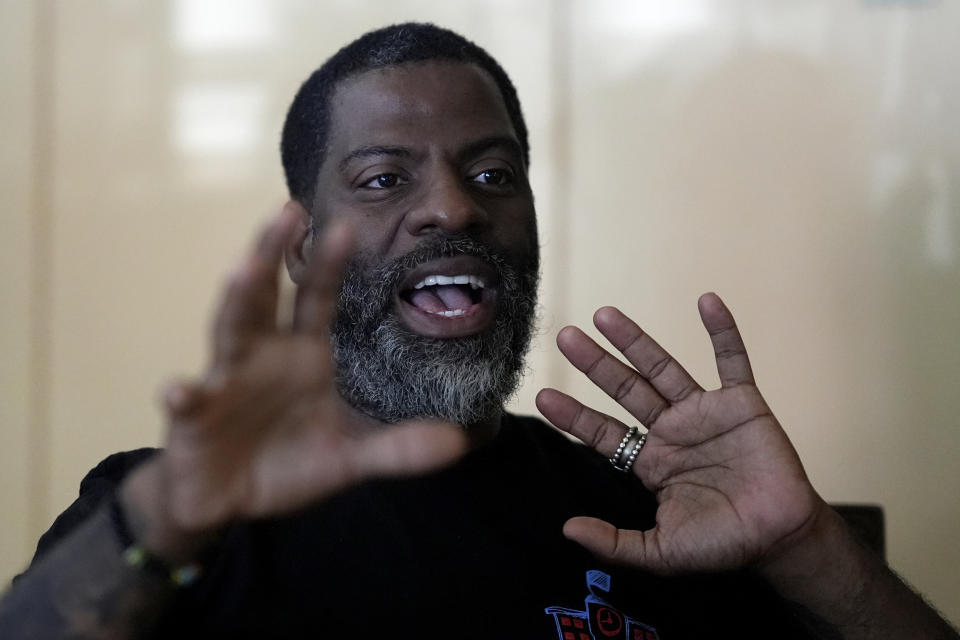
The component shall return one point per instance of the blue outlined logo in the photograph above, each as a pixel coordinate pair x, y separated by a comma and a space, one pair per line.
598, 620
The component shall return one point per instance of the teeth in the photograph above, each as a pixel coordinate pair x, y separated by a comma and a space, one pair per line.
449, 314
475, 282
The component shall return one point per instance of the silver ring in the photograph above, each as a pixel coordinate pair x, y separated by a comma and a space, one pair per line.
629, 449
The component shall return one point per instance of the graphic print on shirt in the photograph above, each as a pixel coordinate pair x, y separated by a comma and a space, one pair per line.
598, 620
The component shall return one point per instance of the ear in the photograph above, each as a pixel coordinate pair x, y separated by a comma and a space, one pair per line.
296, 253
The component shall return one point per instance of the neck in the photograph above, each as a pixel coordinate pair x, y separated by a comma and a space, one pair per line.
360, 424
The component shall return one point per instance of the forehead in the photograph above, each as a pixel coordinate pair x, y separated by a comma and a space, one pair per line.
452, 102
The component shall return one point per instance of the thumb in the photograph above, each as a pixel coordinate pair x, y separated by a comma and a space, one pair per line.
408, 449
626, 547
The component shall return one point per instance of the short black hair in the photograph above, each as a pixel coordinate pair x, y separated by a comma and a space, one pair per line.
306, 129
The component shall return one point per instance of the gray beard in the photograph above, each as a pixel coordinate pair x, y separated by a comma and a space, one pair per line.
392, 374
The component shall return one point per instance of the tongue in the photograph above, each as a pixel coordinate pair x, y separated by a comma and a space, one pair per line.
441, 298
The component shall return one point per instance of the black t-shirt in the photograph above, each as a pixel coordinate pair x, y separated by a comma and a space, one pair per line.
473, 551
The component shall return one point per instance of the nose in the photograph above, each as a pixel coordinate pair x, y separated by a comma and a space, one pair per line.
448, 206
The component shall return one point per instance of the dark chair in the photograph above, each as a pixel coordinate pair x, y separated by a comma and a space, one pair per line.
866, 521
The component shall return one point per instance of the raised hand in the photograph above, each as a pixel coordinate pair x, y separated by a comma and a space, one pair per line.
263, 433
730, 487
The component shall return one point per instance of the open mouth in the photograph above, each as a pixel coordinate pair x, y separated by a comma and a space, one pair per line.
449, 298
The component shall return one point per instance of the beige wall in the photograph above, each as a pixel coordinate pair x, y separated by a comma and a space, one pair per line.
18, 268
795, 156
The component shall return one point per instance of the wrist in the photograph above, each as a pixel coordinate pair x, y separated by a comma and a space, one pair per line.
826, 570
137, 557
144, 499
809, 551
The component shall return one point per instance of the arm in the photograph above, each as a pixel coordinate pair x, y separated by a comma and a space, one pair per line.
844, 590
81, 588
260, 435
731, 490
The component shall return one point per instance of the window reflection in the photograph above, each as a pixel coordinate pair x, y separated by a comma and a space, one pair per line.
203, 25
211, 119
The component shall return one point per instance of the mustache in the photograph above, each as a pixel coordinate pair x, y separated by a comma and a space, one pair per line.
436, 248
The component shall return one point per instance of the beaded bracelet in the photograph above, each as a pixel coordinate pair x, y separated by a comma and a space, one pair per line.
138, 558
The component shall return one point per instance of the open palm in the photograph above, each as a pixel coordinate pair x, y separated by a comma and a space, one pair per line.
730, 487
264, 432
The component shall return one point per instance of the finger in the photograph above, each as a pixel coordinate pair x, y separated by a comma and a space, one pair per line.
653, 362
407, 449
733, 364
316, 298
598, 430
249, 303
616, 379
619, 546
180, 397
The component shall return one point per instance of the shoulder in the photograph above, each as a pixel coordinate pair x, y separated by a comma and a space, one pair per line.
111, 471
99, 483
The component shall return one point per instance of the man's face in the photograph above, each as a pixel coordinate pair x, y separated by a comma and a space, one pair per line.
437, 310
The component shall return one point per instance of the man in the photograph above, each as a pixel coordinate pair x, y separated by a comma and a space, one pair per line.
305, 475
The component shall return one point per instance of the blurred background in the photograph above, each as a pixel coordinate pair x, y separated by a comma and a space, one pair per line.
796, 156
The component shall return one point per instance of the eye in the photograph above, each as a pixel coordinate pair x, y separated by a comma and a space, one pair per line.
384, 181
496, 177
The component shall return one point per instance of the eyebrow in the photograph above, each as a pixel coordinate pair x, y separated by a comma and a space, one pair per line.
472, 149
491, 142
376, 150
